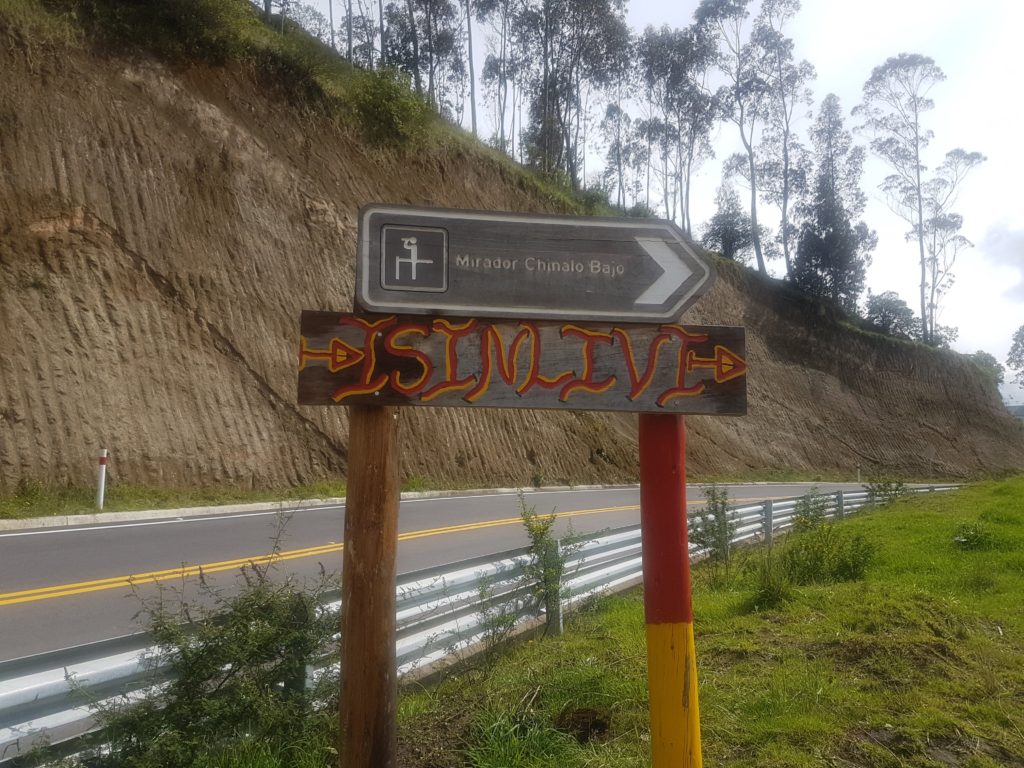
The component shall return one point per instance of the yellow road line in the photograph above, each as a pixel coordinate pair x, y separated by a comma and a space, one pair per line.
135, 579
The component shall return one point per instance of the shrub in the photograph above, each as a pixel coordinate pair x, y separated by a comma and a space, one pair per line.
810, 510
885, 490
389, 113
714, 529
546, 566
237, 675
826, 554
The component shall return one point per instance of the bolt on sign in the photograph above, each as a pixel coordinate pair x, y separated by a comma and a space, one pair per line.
347, 359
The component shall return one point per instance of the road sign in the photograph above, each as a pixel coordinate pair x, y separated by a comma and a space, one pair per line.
347, 359
486, 264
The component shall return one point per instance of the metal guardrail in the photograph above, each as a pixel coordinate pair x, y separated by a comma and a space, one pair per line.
442, 611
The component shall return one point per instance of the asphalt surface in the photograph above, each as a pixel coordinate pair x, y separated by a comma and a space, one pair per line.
61, 587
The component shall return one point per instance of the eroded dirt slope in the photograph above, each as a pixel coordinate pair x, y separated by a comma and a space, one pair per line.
161, 230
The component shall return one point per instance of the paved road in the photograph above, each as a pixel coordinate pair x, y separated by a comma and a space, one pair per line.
65, 586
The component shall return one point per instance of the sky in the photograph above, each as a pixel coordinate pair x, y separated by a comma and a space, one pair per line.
978, 45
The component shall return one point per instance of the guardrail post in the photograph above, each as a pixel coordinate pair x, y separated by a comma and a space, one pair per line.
768, 520
840, 505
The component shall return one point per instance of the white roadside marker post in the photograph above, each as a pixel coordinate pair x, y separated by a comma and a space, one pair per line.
101, 479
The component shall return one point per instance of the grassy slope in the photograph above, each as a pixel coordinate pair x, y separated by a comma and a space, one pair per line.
922, 664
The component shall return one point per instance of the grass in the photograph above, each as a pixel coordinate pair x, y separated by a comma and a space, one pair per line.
37, 500
919, 664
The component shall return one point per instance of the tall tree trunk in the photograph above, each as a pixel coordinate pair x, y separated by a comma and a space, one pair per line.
647, 201
415, 46
348, 31
503, 88
785, 209
330, 11
472, 68
430, 52
755, 230
383, 35
268, 10
926, 336
546, 116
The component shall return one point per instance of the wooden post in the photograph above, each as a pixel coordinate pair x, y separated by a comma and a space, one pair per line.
369, 688
668, 611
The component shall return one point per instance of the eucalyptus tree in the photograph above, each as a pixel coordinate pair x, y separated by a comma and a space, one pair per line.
782, 170
941, 227
1015, 358
674, 69
616, 128
579, 42
425, 39
746, 95
508, 56
895, 99
310, 19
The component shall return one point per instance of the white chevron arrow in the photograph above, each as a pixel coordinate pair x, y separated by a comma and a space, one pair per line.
676, 272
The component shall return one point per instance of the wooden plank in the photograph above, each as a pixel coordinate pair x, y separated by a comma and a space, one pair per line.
369, 677
348, 359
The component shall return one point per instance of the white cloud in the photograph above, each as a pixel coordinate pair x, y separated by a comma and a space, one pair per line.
1004, 246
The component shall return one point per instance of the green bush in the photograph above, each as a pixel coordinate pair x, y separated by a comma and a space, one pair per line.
237, 678
885, 490
713, 531
826, 554
810, 510
182, 29
389, 113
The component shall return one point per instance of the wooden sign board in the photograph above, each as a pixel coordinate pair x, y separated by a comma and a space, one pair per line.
348, 359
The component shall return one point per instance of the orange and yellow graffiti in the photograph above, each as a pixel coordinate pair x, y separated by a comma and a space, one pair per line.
436, 359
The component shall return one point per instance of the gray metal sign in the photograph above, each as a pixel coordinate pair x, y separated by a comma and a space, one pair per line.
486, 264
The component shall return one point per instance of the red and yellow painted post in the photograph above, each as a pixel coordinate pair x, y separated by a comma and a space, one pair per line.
671, 653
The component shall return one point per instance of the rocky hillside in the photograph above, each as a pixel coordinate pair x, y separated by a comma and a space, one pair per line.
162, 227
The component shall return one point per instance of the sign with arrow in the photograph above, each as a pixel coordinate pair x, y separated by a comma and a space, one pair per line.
486, 264
348, 359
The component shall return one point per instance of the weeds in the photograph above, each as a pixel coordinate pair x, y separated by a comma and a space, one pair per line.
810, 511
237, 669
497, 618
546, 567
973, 535
771, 583
885, 490
826, 554
713, 531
